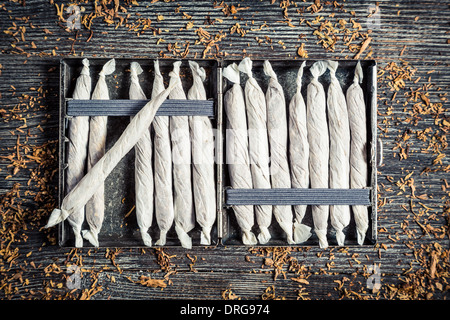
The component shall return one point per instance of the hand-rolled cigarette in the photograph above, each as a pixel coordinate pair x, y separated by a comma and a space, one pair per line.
94, 178
78, 134
318, 139
358, 149
181, 157
202, 138
338, 125
95, 208
143, 165
163, 165
299, 155
278, 139
237, 156
255, 103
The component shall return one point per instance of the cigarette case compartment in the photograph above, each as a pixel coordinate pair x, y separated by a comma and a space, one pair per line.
286, 71
120, 228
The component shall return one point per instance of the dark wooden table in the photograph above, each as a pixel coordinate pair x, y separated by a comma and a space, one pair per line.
410, 41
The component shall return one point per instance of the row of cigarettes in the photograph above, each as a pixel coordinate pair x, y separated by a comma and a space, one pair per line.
318, 144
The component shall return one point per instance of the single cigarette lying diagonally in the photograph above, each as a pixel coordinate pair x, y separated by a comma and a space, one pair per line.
89, 184
77, 149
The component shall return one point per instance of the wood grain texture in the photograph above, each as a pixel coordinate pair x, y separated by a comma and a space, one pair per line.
30, 63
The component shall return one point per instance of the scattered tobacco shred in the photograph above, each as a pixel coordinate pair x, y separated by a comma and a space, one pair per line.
149, 282
229, 295
269, 294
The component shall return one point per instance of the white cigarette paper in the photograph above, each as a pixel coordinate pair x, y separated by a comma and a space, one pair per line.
237, 157
339, 128
181, 156
255, 103
202, 137
299, 155
94, 178
278, 139
318, 139
95, 208
358, 149
143, 165
164, 211
78, 135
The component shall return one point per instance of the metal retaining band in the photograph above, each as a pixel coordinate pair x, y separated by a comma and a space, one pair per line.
131, 107
235, 197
